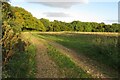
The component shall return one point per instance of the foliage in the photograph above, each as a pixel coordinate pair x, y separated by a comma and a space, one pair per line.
46, 23
21, 64
26, 21
7, 13
17, 62
79, 26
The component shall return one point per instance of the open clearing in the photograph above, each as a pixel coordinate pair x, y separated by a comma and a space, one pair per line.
47, 68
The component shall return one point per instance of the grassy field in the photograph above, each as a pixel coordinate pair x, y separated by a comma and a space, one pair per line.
66, 55
65, 66
102, 48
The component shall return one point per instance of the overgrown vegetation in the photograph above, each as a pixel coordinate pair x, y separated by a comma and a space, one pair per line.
67, 68
21, 64
17, 55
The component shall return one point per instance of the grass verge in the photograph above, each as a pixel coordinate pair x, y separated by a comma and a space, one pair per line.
22, 64
67, 68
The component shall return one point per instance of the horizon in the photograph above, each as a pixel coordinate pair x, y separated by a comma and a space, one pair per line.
85, 11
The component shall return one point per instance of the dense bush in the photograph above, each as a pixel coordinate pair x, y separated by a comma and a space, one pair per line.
17, 57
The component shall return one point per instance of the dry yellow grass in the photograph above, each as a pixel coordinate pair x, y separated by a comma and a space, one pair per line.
94, 33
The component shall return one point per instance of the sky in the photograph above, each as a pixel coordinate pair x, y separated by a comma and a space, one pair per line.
69, 10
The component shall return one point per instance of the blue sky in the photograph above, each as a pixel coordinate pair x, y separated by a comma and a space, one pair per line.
86, 11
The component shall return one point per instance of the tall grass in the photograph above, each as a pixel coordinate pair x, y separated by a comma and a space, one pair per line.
21, 64
108, 48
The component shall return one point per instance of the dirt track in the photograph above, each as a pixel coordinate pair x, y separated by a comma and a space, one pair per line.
46, 68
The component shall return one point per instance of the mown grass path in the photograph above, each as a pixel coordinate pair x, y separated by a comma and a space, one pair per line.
46, 68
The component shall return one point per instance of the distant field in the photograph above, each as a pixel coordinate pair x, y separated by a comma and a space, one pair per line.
101, 47
95, 33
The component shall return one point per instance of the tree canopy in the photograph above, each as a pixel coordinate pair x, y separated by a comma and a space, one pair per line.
23, 20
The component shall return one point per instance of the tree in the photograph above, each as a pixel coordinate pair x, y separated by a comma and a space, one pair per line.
56, 26
25, 20
46, 23
115, 27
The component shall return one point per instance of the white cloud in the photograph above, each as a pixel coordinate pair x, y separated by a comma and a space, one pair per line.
104, 0
60, 4
111, 21
85, 16
56, 14
81, 1
69, 17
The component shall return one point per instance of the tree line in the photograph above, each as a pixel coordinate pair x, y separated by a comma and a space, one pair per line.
79, 26
24, 21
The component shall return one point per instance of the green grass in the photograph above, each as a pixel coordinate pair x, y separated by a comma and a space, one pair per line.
22, 64
101, 48
67, 68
